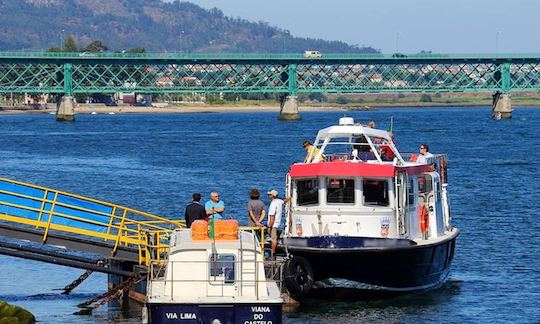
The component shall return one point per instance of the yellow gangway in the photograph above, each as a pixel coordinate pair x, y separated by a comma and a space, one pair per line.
51, 210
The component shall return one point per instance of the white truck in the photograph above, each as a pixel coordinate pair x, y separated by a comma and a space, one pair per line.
312, 54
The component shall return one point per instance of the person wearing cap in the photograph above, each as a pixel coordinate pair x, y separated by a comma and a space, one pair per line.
194, 210
255, 207
214, 207
275, 212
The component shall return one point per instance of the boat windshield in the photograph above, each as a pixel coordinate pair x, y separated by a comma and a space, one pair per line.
355, 147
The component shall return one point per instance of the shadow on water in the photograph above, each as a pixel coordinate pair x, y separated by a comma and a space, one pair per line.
338, 302
47, 296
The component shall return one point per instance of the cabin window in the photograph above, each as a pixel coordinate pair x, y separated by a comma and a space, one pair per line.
410, 200
222, 268
307, 192
375, 192
340, 191
424, 185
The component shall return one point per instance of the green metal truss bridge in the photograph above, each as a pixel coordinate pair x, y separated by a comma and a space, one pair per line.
85, 73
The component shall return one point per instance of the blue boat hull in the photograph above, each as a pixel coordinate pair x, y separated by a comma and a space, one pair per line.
375, 264
210, 313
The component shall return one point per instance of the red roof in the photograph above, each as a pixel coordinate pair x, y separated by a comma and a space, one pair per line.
347, 169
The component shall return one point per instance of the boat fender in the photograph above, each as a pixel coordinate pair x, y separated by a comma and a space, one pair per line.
423, 217
298, 276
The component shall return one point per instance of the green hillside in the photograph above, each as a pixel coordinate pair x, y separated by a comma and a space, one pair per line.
152, 24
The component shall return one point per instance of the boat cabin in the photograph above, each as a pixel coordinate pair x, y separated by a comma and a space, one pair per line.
201, 270
356, 183
212, 280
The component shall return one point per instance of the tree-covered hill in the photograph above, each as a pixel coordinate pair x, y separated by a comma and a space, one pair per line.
151, 24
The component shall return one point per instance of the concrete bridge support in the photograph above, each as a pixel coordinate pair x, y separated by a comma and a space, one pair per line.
66, 109
502, 106
289, 109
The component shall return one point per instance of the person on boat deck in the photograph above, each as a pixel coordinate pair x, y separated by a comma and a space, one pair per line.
194, 210
255, 207
424, 154
214, 207
310, 148
371, 124
386, 152
275, 212
363, 149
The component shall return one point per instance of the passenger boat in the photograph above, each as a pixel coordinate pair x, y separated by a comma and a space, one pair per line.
364, 216
219, 280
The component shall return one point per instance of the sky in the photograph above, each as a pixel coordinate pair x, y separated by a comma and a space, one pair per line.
408, 26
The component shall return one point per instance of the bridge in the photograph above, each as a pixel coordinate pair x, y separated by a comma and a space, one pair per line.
68, 74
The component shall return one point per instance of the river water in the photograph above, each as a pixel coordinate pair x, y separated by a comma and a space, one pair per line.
155, 162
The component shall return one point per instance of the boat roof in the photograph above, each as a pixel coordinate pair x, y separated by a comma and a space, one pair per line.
373, 159
352, 130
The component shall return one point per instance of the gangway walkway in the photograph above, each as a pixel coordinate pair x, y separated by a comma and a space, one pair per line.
57, 218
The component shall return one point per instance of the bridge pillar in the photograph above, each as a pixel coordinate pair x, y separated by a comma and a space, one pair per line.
502, 106
289, 109
66, 109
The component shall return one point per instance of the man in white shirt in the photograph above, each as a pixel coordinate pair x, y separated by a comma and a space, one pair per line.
275, 213
424, 154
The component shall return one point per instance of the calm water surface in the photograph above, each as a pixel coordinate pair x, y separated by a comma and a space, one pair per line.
155, 162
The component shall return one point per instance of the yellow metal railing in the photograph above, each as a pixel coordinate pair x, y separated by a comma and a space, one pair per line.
55, 210
59, 211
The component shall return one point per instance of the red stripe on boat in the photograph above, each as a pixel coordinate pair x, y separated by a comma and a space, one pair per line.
348, 169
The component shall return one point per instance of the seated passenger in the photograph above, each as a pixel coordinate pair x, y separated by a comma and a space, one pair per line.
424, 154
363, 148
386, 153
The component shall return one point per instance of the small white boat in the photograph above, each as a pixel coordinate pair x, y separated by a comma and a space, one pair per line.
212, 281
93, 113
112, 113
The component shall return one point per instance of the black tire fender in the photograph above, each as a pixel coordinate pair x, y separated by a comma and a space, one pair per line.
298, 276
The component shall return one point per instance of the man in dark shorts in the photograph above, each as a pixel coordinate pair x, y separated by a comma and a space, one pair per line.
195, 210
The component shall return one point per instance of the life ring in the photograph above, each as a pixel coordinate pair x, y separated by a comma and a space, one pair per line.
298, 276
423, 217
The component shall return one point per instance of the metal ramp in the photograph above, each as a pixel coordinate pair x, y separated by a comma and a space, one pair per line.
56, 218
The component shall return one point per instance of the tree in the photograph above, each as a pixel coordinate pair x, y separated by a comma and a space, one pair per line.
70, 45
95, 47
317, 96
425, 98
137, 50
342, 100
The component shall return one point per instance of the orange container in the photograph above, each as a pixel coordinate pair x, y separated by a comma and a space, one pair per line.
199, 230
226, 229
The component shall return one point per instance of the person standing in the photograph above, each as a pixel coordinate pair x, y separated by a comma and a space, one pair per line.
214, 207
275, 212
424, 154
255, 207
194, 210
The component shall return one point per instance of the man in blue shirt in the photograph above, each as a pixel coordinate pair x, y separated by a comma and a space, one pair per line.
214, 207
